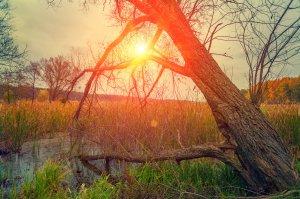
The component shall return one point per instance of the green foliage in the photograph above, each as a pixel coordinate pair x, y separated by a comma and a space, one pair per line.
189, 179
99, 189
47, 182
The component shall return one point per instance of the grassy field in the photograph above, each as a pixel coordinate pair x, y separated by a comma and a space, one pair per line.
124, 126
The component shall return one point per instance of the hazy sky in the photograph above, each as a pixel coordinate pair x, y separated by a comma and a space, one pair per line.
49, 31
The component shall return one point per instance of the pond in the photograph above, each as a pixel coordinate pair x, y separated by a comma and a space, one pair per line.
17, 167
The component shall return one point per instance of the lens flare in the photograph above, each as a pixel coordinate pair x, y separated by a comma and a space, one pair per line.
141, 49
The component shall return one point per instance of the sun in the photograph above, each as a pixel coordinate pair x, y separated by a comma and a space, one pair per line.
141, 49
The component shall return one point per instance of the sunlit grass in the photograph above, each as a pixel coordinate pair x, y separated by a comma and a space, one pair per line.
286, 119
159, 126
22, 121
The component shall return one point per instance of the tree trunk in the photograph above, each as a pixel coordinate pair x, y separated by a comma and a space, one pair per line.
33, 89
259, 148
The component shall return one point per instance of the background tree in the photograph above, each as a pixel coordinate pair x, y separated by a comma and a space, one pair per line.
284, 90
268, 32
32, 72
262, 158
58, 74
295, 87
11, 57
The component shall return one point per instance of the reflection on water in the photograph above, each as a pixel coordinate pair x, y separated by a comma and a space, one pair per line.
19, 166
34, 154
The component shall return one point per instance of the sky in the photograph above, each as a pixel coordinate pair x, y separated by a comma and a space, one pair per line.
48, 32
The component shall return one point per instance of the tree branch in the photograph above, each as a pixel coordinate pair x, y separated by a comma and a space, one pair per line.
169, 65
129, 28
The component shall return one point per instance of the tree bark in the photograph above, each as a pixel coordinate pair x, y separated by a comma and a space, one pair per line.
259, 148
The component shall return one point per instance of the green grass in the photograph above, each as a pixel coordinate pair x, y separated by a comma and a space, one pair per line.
190, 179
46, 183
163, 180
49, 182
99, 189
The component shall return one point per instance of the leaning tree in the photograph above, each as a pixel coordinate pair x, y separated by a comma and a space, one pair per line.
262, 158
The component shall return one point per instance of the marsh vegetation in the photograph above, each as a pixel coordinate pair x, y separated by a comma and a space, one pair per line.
41, 131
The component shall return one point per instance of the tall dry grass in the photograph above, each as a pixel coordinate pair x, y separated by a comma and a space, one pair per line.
25, 121
123, 125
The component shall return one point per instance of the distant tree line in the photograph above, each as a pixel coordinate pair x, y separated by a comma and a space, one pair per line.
285, 90
18, 77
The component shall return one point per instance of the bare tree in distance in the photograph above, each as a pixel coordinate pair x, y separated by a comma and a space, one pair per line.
268, 32
58, 74
11, 57
32, 73
262, 158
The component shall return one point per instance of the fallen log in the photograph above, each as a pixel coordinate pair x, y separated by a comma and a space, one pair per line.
195, 152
